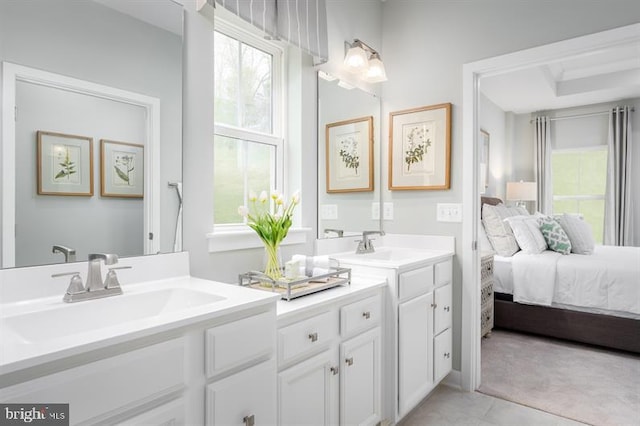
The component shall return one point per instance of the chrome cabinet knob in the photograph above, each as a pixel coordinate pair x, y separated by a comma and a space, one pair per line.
249, 420
349, 361
313, 337
434, 305
334, 370
366, 315
447, 308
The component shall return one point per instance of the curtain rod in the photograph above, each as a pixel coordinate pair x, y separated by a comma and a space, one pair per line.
592, 114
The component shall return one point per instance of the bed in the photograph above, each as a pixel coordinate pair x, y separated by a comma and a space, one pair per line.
593, 299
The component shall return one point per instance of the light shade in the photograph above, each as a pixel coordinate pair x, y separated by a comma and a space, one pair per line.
356, 59
376, 72
522, 191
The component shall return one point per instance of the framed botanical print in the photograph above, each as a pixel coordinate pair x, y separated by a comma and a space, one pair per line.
420, 148
65, 164
349, 155
121, 169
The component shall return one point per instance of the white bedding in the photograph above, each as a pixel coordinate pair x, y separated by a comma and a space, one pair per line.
606, 281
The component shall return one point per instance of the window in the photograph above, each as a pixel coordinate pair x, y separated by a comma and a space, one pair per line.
248, 143
579, 184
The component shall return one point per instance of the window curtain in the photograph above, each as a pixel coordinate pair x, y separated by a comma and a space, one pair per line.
302, 23
542, 137
617, 209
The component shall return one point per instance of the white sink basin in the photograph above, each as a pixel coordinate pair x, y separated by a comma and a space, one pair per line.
67, 319
386, 255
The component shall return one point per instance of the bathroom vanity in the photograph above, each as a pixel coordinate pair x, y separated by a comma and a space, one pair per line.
174, 349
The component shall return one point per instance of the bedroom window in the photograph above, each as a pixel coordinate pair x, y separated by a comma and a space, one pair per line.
579, 183
248, 142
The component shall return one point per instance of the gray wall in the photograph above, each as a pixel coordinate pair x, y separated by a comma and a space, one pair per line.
88, 41
87, 224
424, 47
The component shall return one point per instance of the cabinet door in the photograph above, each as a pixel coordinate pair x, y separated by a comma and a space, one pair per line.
415, 340
308, 392
245, 398
442, 355
442, 309
360, 386
415, 351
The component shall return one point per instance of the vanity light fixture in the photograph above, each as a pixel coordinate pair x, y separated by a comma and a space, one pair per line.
326, 76
360, 58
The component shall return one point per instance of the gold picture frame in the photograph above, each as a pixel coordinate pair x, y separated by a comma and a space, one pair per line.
349, 155
65, 164
420, 148
121, 169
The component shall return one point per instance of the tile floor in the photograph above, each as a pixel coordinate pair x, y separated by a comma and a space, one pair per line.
449, 406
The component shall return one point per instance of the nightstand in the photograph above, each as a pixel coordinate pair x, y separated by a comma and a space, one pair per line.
486, 293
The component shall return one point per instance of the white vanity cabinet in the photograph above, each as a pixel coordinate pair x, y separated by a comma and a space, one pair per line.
329, 358
424, 331
218, 371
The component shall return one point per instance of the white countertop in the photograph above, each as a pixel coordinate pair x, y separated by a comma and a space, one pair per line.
17, 353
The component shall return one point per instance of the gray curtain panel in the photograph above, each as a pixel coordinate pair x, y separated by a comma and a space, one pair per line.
302, 23
542, 137
617, 210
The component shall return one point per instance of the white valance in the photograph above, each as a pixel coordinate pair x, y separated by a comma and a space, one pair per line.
302, 23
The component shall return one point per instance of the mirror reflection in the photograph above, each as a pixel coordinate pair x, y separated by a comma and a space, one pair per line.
348, 165
91, 162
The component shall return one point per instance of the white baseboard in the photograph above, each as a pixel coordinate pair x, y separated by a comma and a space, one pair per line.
453, 379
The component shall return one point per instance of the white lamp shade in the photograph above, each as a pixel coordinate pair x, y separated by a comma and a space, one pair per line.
356, 59
522, 191
376, 72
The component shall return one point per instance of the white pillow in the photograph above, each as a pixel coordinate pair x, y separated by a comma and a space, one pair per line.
499, 233
527, 233
485, 244
579, 233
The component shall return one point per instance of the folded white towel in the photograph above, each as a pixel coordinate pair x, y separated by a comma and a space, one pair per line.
320, 271
321, 262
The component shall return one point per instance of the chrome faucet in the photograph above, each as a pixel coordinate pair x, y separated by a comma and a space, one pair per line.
95, 288
68, 252
338, 232
365, 245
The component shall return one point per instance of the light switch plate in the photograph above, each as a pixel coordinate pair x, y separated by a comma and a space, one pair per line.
375, 211
449, 212
387, 212
329, 211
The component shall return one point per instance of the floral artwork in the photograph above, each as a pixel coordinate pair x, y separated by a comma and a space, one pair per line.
420, 148
124, 166
417, 139
65, 164
121, 169
349, 152
349, 155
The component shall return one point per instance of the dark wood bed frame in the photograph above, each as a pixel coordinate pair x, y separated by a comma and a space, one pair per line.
584, 327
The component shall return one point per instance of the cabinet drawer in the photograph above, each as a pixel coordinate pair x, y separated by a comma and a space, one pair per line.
122, 382
486, 268
306, 336
486, 319
360, 315
238, 342
169, 414
486, 293
444, 271
442, 355
442, 309
416, 282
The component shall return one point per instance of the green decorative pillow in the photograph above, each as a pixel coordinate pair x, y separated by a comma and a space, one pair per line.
554, 235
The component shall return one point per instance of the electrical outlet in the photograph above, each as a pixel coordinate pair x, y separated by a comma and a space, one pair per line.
387, 213
449, 212
375, 211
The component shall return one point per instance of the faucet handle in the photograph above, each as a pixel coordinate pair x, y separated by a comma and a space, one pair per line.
111, 280
75, 285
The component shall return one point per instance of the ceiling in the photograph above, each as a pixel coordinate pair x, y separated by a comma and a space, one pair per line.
599, 76
158, 13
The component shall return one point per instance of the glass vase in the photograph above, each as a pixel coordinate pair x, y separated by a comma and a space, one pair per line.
273, 261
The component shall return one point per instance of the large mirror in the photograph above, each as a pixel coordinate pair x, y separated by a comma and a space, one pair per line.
348, 159
91, 151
